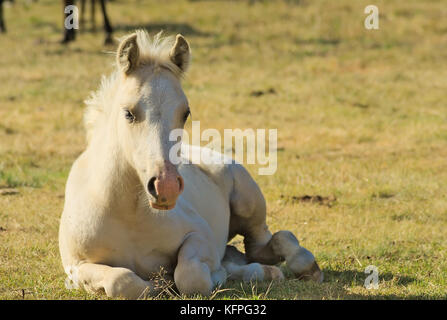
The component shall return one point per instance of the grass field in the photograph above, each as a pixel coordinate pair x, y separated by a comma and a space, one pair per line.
361, 118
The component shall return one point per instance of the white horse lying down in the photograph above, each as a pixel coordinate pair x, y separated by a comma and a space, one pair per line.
129, 211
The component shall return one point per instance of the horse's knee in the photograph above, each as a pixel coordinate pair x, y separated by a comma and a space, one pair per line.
192, 277
284, 243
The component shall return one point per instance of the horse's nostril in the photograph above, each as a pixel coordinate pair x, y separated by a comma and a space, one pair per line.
151, 187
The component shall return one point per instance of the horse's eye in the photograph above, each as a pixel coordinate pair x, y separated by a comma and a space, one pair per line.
129, 116
185, 117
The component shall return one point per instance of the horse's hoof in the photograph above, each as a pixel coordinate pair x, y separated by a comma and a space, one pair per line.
67, 39
304, 265
272, 273
314, 274
109, 41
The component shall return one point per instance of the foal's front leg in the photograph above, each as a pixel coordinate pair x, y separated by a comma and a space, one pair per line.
198, 268
116, 282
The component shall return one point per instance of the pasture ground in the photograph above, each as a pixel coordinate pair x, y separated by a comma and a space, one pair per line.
361, 118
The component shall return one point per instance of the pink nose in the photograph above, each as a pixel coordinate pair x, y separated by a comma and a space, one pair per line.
166, 188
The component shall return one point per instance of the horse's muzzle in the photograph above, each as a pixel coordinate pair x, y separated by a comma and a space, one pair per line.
165, 188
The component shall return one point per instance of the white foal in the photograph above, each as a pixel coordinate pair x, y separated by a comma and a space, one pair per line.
129, 211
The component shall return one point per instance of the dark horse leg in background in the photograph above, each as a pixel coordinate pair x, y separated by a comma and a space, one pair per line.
70, 34
2, 22
107, 26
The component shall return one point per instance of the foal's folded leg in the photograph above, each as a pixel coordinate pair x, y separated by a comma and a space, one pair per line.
238, 268
116, 282
198, 268
248, 218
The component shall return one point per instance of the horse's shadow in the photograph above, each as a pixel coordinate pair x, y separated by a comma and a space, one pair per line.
353, 278
357, 278
344, 279
167, 28
336, 285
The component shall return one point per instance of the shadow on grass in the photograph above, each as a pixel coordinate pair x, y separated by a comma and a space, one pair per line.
152, 27
169, 28
337, 285
338, 281
357, 278
318, 41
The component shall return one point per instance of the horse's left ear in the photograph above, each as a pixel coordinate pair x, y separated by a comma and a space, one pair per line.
180, 53
128, 54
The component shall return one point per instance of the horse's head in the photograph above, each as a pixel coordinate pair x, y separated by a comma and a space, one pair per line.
151, 104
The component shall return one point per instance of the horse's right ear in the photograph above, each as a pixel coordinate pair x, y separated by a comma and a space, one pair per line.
180, 53
128, 54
